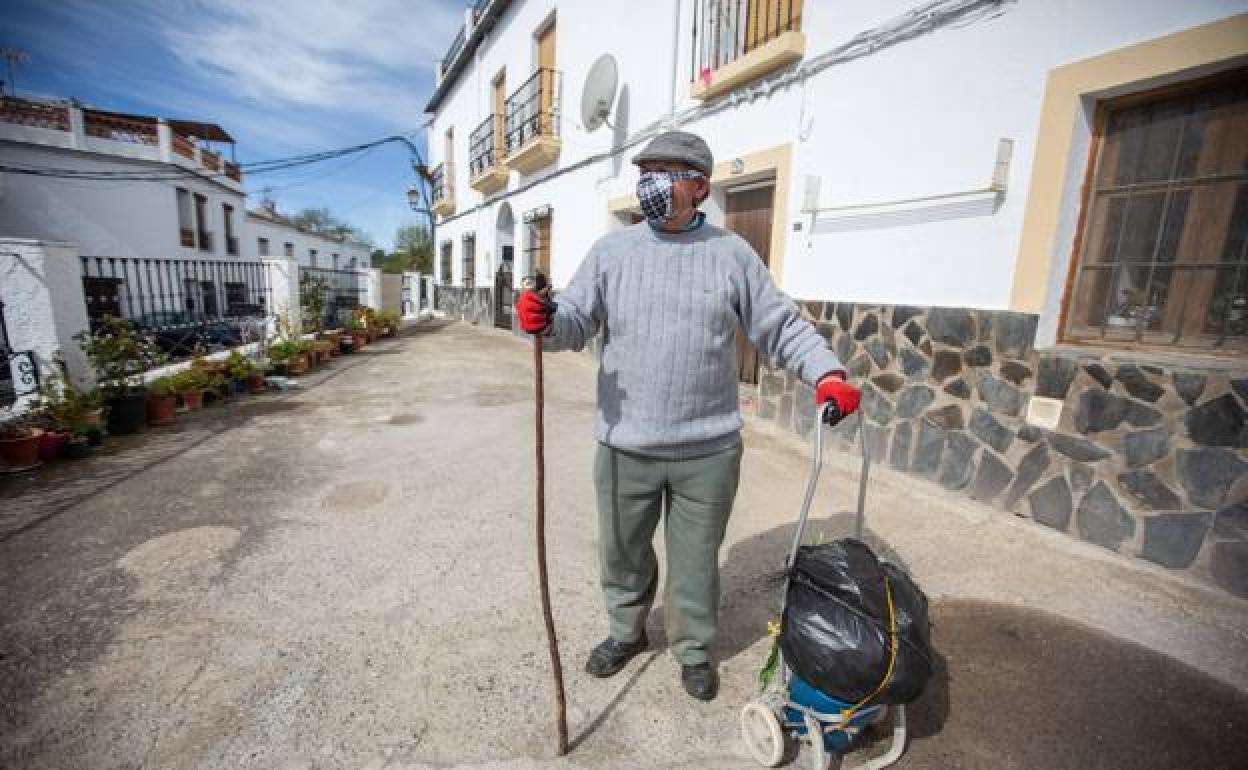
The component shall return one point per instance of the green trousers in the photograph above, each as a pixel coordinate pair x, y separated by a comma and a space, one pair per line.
696, 497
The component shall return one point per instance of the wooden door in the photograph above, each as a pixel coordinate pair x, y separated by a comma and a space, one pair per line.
546, 65
749, 215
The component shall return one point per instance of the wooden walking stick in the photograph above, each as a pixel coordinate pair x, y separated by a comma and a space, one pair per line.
538, 283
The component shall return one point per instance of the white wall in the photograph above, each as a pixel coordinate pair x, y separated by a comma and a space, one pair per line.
123, 218
918, 118
279, 235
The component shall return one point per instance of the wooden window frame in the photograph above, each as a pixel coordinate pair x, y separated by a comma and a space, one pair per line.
1103, 110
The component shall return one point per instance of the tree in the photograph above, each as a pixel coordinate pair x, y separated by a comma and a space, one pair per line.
413, 249
323, 222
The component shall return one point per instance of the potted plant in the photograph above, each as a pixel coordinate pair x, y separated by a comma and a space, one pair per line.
78, 446
19, 443
190, 384
323, 350
120, 355
239, 368
387, 323
162, 400
289, 356
359, 332
59, 406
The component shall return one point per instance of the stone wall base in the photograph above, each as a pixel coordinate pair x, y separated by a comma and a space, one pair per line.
1144, 459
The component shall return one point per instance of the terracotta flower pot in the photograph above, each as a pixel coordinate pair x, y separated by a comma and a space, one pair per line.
298, 364
94, 418
193, 399
52, 445
161, 409
255, 383
21, 451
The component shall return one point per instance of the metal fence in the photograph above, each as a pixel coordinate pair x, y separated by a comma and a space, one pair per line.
186, 305
328, 296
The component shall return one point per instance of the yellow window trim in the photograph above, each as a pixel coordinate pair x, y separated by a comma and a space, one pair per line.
1190, 53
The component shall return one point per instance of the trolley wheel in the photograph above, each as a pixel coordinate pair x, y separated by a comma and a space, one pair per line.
760, 730
820, 759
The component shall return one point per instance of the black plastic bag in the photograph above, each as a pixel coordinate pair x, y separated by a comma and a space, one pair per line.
835, 632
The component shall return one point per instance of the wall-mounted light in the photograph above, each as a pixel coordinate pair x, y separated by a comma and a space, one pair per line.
738, 166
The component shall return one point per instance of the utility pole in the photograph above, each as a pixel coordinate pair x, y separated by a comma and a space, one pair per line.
14, 56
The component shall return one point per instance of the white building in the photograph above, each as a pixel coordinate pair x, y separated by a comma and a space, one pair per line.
1035, 211
158, 218
191, 208
270, 234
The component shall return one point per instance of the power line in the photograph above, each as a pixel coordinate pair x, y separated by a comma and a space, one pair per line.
176, 172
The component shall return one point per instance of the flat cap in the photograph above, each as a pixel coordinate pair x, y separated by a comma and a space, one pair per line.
680, 147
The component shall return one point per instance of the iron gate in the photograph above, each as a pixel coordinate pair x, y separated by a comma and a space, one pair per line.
503, 294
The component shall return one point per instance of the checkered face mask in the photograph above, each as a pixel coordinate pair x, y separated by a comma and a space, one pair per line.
654, 193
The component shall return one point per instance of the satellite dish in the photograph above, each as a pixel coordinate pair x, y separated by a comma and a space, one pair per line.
599, 92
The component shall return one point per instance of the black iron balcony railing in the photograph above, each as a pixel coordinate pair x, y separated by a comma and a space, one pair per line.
439, 182
533, 110
726, 30
485, 149
457, 45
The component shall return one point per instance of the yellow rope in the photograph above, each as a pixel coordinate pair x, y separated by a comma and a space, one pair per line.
848, 713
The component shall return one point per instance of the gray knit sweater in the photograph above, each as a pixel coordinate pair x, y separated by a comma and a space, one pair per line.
669, 306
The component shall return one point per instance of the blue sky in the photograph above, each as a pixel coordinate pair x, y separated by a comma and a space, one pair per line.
284, 77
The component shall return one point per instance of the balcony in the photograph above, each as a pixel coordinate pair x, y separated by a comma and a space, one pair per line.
738, 41
457, 45
532, 123
441, 182
137, 137
487, 166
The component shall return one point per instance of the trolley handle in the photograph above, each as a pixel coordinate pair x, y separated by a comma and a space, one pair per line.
829, 414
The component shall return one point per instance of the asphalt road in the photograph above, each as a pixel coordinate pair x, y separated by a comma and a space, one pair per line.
342, 576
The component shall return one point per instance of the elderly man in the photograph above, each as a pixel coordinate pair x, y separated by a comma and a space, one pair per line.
668, 295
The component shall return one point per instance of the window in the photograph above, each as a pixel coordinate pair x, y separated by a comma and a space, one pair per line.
1163, 248
186, 219
235, 297
231, 242
335, 261
288, 249
312, 257
470, 260
262, 247
203, 238
446, 263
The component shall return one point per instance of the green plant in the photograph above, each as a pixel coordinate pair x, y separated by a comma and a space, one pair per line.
194, 378
64, 406
162, 386
238, 366
284, 350
312, 292
119, 354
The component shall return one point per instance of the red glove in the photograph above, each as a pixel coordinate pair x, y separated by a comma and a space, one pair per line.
534, 311
834, 388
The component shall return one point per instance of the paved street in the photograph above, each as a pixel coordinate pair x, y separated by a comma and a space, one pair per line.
342, 576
